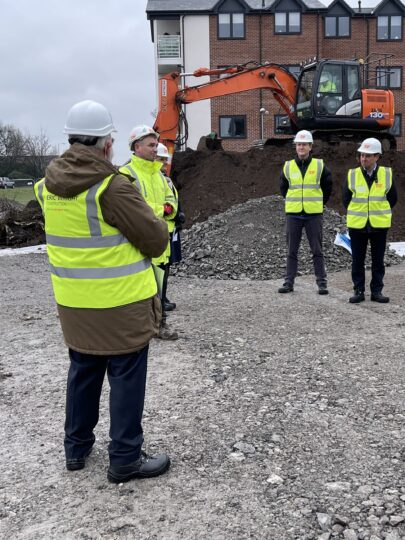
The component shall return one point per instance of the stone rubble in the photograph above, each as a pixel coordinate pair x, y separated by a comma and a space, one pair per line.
248, 242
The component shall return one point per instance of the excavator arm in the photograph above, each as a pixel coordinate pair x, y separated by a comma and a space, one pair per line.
275, 78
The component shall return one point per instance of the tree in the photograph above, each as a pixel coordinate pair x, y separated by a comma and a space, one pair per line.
11, 148
37, 149
29, 154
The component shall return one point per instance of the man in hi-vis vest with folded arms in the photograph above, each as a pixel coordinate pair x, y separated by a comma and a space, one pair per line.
101, 237
369, 195
306, 185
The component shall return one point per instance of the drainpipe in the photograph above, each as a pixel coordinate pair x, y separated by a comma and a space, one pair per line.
317, 35
183, 54
261, 61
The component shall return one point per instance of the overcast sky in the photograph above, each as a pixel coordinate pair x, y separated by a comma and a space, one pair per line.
54, 53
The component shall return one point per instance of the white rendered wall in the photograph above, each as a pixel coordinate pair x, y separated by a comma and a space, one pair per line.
196, 54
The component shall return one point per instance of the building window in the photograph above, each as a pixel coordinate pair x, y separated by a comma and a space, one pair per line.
295, 69
389, 27
232, 127
282, 124
288, 22
337, 27
389, 77
231, 26
396, 128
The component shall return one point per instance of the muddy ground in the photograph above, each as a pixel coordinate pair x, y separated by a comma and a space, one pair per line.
283, 415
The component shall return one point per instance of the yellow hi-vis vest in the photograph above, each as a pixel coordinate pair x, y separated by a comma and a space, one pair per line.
170, 222
93, 265
154, 189
369, 204
304, 193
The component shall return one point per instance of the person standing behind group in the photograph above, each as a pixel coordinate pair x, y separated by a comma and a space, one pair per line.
146, 174
306, 185
174, 225
100, 237
369, 195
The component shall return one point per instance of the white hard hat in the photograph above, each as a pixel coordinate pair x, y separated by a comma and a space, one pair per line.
370, 146
89, 118
162, 151
140, 132
324, 78
303, 136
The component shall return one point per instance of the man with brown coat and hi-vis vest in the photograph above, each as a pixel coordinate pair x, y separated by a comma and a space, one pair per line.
369, 194
306, 185
101, 236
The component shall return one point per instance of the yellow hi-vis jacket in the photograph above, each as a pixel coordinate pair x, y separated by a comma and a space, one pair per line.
304, 194
369, 203
92, 264
170, 222
154, 189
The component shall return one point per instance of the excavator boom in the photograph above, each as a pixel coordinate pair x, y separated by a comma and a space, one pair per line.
327, 97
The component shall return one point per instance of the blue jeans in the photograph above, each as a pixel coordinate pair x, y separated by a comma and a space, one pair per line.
127, 378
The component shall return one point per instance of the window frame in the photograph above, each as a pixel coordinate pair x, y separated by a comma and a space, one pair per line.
231, 14
388, 76
337, 26
287, 32
227, 137
390, 27
276, 118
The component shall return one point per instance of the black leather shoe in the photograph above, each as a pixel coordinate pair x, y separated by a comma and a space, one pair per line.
169, 306
286, 288
76, 464
323, 289
144, 467
380, 298
357, 297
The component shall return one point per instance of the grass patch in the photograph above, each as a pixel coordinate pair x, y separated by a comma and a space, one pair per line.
21, 194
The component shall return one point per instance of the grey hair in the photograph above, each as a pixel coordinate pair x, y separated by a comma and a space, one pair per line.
98, 142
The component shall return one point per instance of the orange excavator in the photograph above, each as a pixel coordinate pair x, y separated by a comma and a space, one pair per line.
327, 98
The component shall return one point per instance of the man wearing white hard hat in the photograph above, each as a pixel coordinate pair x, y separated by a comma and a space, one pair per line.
369, 195
100, 237
145, 173
306, 185
175, 225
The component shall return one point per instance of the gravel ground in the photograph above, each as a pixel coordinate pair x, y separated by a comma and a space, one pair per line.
283, 415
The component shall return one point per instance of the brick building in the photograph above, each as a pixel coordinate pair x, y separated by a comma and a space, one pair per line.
217, 33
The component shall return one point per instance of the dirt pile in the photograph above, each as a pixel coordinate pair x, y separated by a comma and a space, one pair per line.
20, 225
211, 182
248, 242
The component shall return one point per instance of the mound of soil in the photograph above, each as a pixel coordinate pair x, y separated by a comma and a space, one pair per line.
211, 182
21, 226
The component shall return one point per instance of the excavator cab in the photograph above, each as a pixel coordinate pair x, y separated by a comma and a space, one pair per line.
329, 95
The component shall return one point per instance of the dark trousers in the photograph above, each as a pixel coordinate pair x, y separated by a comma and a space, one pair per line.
359, 240
313, 229
127, 378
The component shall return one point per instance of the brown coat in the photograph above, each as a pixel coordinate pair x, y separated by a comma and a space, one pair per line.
126, 328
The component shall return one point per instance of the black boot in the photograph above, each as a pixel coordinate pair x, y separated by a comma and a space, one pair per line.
379, 297
286, 288
357, 297
144, 467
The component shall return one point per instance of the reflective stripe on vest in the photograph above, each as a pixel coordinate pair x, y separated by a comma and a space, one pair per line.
304, 194
369, 203
132, 173
93, 265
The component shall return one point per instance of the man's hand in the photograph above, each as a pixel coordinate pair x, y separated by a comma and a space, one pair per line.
167, 209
